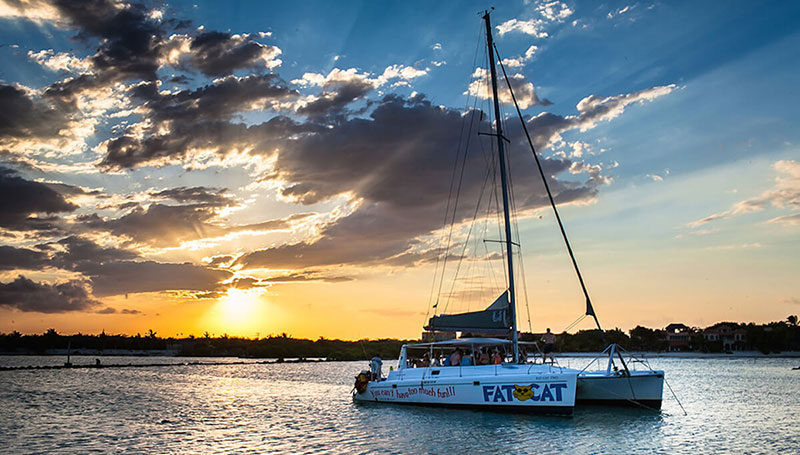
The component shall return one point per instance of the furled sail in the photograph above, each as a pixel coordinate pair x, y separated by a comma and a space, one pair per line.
495, 318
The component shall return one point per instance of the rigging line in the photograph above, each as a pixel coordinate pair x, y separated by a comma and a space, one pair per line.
455, 207
447, 211
487, 157
488, 217
525, 291
452, 180
675, 396
466, 242
516, 231
458, 193
498, 215
574, 323
589, 308
444, 223
494, 163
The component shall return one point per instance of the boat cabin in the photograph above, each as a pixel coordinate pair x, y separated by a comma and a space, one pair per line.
463, 352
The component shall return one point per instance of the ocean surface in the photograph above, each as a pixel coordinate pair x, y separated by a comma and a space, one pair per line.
733, 406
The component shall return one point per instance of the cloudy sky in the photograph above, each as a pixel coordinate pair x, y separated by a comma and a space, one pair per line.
253, 168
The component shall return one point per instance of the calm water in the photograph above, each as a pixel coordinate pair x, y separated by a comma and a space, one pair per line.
734, 406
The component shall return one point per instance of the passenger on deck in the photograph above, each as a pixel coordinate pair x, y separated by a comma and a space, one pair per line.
454, 359
426, 360
496, 359
467, 360
484, 358
375, 367
549, 340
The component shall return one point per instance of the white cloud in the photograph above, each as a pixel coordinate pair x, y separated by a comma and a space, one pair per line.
32, 10
523, 89
611, 107
549, 12
437, 47
401, 72
787, 220
63, 61
177, 50
532, 27
338, 76
522, 59
554, 11
784, 195
621, 11
579, 149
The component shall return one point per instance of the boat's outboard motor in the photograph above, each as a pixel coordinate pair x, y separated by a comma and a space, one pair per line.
361, 381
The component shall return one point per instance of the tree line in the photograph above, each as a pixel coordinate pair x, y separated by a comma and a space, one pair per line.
773, 337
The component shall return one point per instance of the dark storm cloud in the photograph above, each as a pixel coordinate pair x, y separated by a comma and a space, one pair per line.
71, 190
161, 225
128, 277
12, 258
201, 194
222, 136
335, 98
180, 79
200, 119
218, 261
305, 276
109, 310
79, 250
24, 294
132, 45
217, 53
109, 271
129, 40
217, 101
169, 225
24, 198
22, 115
399, 162
272, 225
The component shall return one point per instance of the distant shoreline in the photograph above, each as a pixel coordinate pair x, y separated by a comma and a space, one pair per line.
176, 354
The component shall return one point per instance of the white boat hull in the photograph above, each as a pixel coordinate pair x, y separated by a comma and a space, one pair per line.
522, 388
640, 388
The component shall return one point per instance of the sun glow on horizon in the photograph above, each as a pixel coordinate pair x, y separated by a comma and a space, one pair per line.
244, 312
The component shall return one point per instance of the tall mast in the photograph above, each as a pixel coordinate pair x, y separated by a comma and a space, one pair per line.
504, 181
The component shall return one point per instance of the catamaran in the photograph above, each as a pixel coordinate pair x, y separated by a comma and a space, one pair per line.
496, 373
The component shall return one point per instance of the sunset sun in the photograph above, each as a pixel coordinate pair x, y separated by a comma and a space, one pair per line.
240, 311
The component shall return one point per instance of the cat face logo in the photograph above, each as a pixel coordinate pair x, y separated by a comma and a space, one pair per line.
523, 392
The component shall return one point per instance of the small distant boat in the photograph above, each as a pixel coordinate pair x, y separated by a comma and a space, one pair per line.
510, 382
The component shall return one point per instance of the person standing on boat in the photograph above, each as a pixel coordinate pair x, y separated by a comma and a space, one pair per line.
549, 340
375, 366
454, 359
496, 358
484, 358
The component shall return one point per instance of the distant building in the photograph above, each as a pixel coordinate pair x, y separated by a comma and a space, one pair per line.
731, 338
679, 337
